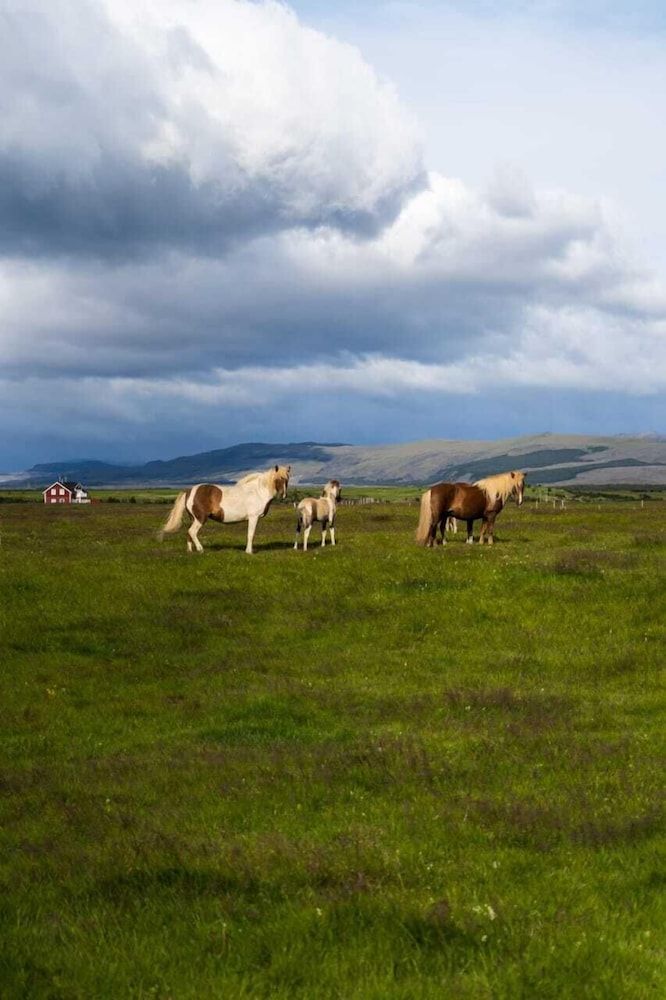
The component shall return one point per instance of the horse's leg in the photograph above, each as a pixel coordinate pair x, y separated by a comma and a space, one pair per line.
324, 526
306, 535
482, 533
251, 528
298, 531
490, 529
442, 529
470, 532
192, 534
332, 533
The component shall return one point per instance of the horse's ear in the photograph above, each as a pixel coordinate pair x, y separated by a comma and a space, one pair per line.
513, 475
277, 468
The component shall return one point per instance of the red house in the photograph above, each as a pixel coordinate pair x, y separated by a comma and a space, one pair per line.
65, 492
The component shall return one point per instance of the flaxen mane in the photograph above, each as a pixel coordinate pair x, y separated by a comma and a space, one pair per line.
500, 487
270, 475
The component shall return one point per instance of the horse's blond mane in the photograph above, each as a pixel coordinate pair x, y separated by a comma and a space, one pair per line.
269, 476
500, 487
250, 476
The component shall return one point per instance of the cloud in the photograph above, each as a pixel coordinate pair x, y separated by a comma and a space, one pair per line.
210, 208
453, 277
175, 124
556, 349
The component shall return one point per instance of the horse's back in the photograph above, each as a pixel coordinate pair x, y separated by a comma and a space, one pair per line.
441, 496
461, 500
314, 508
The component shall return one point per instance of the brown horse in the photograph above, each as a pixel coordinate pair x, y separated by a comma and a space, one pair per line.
468, 502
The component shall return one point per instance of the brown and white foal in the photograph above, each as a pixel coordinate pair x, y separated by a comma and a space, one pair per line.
322, 509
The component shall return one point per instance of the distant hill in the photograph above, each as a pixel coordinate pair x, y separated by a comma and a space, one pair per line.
221, 465
556, 459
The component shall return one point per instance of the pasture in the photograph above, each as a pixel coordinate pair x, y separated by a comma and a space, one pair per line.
368, 772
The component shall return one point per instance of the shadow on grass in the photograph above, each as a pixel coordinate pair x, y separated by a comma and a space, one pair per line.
259, 546
270, 720
178, 881
437, 931
541, 827
589, 563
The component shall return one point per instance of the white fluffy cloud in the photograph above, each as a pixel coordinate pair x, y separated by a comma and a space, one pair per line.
123, 126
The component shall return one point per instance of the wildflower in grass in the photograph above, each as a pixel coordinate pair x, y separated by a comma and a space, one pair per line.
486, 911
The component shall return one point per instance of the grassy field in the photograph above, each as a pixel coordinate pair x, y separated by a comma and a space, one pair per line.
361, 773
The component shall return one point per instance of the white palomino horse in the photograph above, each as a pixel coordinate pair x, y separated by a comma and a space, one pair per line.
248, 500
320, 509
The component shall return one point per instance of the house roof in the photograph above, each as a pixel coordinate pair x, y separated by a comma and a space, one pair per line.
68, 484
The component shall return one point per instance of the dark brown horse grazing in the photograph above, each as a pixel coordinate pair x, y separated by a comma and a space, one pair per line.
484, 499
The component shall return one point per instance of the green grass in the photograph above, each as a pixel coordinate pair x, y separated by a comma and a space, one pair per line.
361, 773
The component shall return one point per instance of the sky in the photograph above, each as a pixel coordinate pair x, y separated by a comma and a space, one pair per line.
226, 221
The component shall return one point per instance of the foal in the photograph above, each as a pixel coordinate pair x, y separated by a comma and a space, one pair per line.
323, 510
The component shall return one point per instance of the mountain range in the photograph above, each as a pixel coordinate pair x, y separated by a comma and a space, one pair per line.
558, 459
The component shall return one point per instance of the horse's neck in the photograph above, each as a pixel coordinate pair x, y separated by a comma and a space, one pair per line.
331, 505
260, 485
265, 485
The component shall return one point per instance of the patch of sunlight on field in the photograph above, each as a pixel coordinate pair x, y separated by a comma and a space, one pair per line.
372, 771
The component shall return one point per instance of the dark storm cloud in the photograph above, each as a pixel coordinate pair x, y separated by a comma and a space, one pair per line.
124, 208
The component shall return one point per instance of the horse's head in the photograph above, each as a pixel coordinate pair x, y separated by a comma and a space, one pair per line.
281, 480
519, 486
332, 489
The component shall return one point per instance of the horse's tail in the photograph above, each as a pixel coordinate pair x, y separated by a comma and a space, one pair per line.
425, 519
175, 518
302, 512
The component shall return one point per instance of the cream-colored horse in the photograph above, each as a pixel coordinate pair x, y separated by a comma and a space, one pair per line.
247, 501
320, 509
